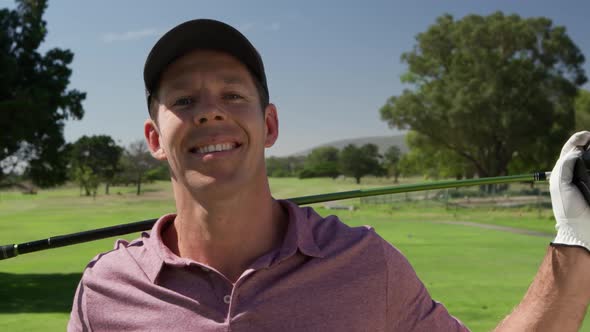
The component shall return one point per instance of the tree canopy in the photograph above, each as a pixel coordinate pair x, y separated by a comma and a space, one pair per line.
391, 160
284, 166
137, 162
34, 97
360, 161
95, 159
321, 162
582, 106
495, 90
425, 159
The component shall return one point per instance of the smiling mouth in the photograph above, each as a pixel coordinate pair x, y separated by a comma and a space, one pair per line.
214, 148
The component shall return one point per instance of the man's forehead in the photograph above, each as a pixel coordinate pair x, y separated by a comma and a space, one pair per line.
184, 79
211, 65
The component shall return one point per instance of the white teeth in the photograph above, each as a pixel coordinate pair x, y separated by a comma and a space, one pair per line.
216, 148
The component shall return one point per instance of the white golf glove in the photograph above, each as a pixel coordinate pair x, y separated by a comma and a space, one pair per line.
570, 209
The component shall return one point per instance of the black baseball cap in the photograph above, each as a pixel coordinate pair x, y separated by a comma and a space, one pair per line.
201, 34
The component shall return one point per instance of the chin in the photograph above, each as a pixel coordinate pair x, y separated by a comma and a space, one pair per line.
202, 183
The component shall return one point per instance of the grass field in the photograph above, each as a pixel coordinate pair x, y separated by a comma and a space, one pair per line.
479, 274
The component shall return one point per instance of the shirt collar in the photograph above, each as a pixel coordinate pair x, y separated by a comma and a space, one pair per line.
300, 231
159, 254
150, 262
165, 254
299, 236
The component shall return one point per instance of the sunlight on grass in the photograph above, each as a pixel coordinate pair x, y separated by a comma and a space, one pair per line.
479, 274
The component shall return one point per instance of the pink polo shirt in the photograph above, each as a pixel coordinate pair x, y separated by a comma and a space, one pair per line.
326, 276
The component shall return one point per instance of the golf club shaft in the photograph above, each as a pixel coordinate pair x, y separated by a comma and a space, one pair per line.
12, 250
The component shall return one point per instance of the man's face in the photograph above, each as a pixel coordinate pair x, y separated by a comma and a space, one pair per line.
209, 124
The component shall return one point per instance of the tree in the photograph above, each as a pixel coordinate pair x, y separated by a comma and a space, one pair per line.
391, 160
432, 162
34, 99
87, 179
277, 167
321, 162
358, 162
284, 166
95, 159
136, 162
409, 165
582, 107
158, 173
491, 89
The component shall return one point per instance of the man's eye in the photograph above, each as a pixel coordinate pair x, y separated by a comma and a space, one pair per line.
232, 96
183, 101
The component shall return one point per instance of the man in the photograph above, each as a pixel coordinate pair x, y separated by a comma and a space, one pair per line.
232, 258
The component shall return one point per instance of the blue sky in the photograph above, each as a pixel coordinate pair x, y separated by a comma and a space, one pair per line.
330, 64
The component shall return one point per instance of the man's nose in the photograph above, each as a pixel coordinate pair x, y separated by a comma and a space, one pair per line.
208, 110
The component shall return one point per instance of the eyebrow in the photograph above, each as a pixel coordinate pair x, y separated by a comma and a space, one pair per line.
232, 79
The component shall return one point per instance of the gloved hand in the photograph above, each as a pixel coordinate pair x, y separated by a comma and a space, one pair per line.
570, 209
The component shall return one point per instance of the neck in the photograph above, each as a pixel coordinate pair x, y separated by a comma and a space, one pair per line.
227, 233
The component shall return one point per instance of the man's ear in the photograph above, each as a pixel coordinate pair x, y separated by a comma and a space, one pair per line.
271, 121
152, 137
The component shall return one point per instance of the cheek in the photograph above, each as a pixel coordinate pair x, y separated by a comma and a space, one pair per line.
257, 130
171, 130
255, 117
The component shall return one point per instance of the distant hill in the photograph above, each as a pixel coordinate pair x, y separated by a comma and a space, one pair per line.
382, 142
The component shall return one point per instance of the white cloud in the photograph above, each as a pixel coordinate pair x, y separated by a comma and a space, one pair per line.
245, 27
129, 35
275, 26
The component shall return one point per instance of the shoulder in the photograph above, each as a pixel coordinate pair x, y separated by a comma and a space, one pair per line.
334, 237
141, 258
330, 230
111, 282
127, 259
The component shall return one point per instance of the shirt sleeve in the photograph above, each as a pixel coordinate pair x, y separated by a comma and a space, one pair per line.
78, 317
409, 305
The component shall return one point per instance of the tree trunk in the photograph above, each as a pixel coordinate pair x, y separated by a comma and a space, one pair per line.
358, 180
138, 186
106, 188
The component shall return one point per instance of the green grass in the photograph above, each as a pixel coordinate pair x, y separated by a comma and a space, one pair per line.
479, 274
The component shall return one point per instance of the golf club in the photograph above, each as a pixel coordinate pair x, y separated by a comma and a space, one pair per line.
12, 250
